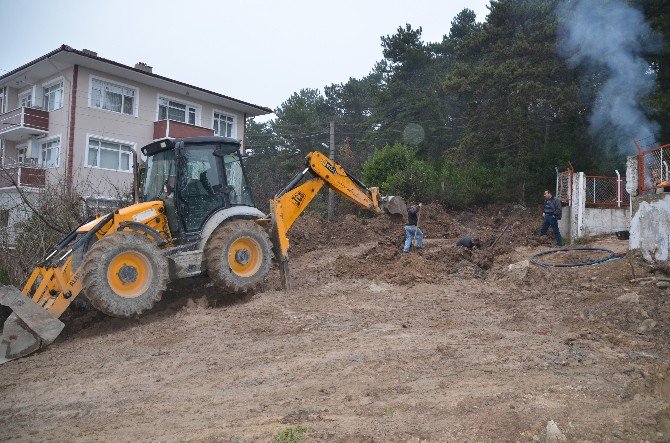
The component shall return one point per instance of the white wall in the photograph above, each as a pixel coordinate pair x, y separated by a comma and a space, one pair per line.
564, 224
579, 221
650, 226
598, 221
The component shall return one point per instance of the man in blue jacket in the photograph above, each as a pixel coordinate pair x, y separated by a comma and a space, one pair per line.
412, 229
552, 214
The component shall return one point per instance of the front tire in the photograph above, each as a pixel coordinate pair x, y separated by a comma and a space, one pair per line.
124, 274
238, 255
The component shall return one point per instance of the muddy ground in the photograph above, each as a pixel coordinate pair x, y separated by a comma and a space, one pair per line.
370, 345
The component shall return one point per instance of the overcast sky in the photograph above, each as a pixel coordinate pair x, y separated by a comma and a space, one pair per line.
259, 51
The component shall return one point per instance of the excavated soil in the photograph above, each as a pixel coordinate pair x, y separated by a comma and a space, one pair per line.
440, 344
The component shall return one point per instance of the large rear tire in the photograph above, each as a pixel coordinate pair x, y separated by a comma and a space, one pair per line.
124, 274
238, 255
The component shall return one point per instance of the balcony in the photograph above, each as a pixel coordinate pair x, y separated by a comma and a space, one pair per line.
25, 176
19, 124
173, 129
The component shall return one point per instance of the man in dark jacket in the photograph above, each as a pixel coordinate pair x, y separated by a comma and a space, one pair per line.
469, 242
411, 228
553, 211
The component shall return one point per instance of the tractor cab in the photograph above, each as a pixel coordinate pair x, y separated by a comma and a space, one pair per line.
194, 178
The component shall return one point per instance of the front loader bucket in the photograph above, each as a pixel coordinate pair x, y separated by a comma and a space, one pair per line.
29, 327
394, 204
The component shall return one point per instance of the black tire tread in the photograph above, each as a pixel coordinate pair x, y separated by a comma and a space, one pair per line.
216, 253
94, 275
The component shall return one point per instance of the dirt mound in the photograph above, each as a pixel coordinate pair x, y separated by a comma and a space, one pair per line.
507, 226
385, 261
510, 225
312, 231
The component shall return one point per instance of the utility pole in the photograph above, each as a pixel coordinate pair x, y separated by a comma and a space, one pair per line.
331, 194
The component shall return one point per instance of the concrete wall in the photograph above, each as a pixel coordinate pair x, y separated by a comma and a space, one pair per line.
579, 221
598, 221
631, 175
650, 226
564, 224
578, 204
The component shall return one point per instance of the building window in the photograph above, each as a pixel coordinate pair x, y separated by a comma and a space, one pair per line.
109, 155
53, 96
49, 153
223, 124
21, 155
25, 100
174, 110
112, 97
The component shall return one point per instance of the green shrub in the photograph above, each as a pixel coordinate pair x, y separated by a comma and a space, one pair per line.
396, 171
291, 435
417, 183
462, 185
386, 162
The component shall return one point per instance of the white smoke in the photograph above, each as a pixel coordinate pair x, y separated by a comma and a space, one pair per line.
612, 36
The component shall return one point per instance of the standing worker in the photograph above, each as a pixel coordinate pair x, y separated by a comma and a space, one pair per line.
412, 228
553, 211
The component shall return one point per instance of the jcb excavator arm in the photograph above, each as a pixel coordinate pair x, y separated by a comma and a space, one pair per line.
289, 203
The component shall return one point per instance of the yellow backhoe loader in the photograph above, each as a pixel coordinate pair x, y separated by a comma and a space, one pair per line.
195, 215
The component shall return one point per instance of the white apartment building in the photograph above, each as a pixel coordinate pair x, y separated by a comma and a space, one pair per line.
75, 119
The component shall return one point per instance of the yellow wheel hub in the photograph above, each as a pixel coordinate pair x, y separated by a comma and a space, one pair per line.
245, 256
129, 274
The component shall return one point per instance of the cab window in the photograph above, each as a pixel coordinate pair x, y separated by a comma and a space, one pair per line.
200, 190
238, 191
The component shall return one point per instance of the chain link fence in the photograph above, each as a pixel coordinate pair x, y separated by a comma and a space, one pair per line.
606, 191
653, 168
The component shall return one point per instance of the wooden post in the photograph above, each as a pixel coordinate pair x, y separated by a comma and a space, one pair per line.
331, 193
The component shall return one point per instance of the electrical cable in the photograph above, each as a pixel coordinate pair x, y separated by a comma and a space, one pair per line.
612, 256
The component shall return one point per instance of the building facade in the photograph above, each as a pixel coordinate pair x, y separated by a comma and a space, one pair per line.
71, 118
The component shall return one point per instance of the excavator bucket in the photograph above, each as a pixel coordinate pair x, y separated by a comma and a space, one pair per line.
29, 328
394, 204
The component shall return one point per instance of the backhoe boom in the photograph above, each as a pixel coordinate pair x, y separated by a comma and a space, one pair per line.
288, 204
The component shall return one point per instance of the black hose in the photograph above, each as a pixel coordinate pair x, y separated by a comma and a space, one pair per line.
612, 256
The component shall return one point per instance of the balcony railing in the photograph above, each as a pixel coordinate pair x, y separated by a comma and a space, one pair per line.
21, 123
173, 129
25, 176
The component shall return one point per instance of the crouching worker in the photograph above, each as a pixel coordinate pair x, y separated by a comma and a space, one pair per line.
469, 242
412, 229
551, 215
